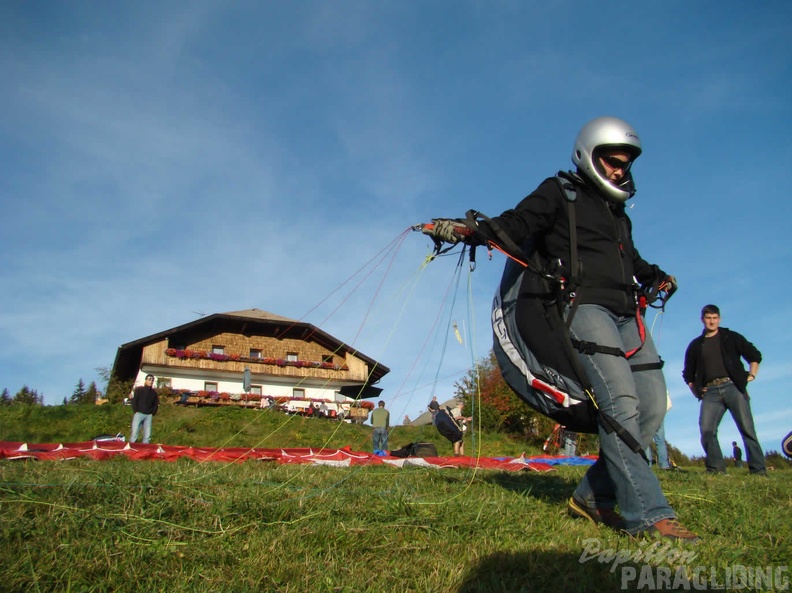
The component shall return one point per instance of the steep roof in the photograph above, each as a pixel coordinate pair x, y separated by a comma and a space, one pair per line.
259, 315
128, 356
426, 417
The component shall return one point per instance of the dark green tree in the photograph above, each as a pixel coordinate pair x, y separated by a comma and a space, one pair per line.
115, 390
5, 398
91, 394
28, 396
78, 395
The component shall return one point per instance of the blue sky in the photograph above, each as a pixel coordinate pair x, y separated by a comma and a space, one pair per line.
166, 159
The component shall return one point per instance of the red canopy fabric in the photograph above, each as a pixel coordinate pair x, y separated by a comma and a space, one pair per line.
101, 450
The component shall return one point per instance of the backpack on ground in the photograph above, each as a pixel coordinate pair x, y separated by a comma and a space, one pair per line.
416, 450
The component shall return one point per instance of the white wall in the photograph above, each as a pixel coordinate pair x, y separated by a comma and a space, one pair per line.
195, 381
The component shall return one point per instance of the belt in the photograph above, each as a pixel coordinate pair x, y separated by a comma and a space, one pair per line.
718, 381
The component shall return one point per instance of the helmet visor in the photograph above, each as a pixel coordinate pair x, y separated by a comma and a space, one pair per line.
613, 158
616, 162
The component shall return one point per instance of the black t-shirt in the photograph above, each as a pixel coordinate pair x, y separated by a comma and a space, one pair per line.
712, 359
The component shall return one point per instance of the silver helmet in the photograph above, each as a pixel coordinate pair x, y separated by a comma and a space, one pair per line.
606, 133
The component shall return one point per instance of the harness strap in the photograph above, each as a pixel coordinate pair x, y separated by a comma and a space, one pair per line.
610, 425
502, 240
641, 330
570, 193
590, 348
571, 314
470, 221
647, 366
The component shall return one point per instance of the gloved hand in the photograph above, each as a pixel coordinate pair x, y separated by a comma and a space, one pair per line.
669, 284
443, 229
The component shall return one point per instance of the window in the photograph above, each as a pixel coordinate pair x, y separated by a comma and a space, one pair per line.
255, 389
164, 382
291, 357
255, 353
210, 386
218, 349
327, 358
298, 393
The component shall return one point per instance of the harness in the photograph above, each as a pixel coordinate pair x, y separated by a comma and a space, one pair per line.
538, 379
569, 289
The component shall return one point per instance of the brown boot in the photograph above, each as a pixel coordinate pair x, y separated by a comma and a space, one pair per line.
672, 529
597, 516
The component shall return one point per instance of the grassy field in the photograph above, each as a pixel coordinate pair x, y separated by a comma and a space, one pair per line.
221, 427
122, 525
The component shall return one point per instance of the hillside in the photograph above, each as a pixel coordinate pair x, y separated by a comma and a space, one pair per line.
187, 526
224, 427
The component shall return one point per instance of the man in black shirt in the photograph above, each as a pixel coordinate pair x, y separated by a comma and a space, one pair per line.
145, 403
716, 376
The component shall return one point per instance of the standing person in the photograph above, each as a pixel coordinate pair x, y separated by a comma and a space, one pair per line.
447, 427
737, 454
662, 448
716, 376
569, 442
145, 403
605, 315
380, 420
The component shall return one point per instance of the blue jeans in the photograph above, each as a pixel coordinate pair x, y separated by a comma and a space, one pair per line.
637, 401
716, 400
380, 438
662, 448
139, 420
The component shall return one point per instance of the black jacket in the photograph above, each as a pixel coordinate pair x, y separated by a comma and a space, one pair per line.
606, 252
145, 400
733, 347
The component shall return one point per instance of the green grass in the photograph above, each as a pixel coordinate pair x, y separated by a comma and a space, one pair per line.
122, 525
227, 426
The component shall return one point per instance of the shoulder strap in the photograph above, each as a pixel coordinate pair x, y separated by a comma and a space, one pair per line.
503, 242
569, 183
471, 216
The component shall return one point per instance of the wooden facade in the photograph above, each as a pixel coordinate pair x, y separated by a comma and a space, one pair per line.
279, 354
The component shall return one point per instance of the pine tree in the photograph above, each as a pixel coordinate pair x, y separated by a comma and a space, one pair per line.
28, 396
78, 395
5, 398
91, 394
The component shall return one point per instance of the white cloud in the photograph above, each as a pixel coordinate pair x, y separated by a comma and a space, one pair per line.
218, 157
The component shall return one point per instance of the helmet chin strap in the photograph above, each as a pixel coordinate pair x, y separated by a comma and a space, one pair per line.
627, 185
